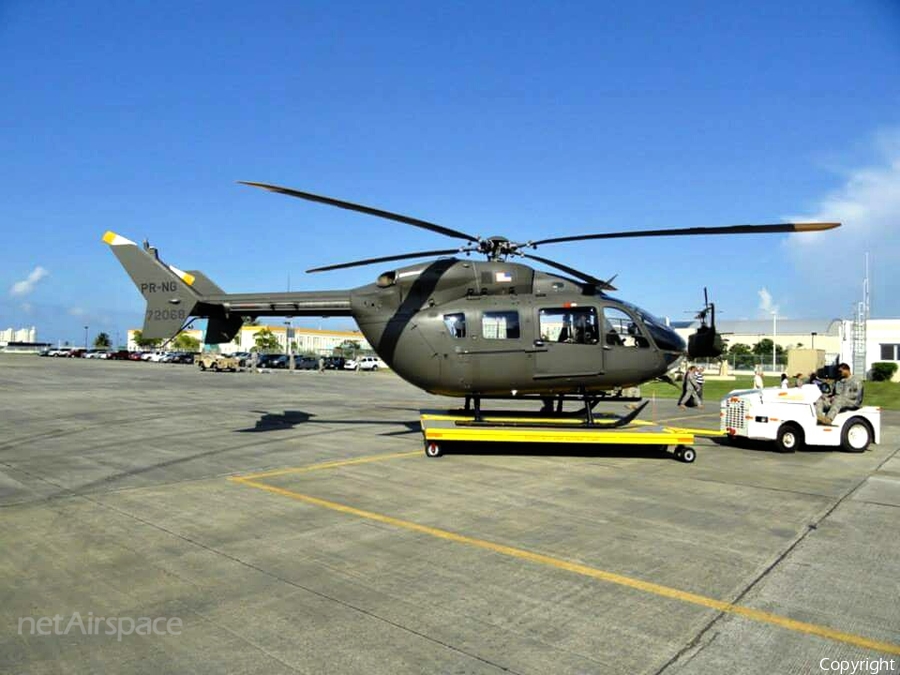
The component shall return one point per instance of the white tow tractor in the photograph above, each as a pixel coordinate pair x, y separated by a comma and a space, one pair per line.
788, 417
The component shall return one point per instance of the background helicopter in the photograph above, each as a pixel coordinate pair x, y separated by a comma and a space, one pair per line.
460, 327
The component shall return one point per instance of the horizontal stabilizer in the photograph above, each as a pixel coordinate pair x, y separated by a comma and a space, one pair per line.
203, 284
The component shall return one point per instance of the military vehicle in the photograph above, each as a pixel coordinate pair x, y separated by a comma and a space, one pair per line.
217, 362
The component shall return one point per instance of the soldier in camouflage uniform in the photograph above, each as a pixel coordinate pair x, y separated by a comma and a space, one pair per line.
846, 393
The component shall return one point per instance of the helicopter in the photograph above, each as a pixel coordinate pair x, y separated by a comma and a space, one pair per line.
453, 326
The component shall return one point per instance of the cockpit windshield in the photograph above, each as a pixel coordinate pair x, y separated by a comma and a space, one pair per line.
663, 335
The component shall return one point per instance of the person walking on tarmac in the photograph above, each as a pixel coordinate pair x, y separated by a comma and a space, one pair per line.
758, 379
846, 393
689, 395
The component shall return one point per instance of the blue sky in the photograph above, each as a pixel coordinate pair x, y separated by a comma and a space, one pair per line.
528, 119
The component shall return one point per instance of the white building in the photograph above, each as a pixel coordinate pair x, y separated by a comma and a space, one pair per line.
304, 340
20, 335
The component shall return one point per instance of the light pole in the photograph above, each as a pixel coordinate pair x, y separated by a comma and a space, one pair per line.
85, 337
287, 342
774, 336
813, 337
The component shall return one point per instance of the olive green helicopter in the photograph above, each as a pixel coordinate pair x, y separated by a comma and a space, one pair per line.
454, 326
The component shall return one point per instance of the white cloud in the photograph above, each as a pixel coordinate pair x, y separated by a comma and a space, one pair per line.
766, 305
868, 206
26, 307
26, 286
77, 311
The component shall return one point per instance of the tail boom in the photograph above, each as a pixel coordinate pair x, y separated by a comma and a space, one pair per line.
174, 296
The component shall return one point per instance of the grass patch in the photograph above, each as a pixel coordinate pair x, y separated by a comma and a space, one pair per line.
884, 394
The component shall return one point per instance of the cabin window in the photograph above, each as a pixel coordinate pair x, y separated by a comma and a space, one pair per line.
500, 325
620, 329
456, 324
569, 325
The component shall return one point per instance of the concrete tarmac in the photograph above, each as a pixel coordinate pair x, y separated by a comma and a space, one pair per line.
291, 523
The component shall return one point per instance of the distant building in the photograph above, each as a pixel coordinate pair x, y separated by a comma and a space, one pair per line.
304, 340
21, 341
20, 335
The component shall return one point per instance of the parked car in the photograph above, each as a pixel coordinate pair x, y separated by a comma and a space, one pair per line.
306, 362
119, 355
75, 353
267, 360
335, 362
365, 363
243, 358
135, 356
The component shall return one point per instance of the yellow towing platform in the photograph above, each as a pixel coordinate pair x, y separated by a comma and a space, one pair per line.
439, 427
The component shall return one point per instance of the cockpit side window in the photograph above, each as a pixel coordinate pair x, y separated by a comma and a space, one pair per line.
569, 325
456, 325
621, 330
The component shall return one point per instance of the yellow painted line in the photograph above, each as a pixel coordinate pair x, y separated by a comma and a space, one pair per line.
329, 465
577, 568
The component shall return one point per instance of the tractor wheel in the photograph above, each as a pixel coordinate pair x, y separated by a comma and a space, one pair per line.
789, 438
856, 435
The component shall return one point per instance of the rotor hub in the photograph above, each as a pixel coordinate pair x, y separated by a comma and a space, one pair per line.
497, 247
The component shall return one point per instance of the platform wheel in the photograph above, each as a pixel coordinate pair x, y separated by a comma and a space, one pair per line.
686, 455
856, 435
789, 438
433, 449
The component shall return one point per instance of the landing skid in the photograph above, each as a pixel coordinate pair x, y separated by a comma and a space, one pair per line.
590, 421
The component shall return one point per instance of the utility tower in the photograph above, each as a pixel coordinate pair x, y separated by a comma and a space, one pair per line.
860, 322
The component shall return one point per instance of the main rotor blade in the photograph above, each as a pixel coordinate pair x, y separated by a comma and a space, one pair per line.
440, 229
685, 231
599, 283
388, 258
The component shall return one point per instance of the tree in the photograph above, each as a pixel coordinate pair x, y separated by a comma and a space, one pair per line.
763, 349
102, 341
348, 349
266, 341
149, 343
185, 343
741, 356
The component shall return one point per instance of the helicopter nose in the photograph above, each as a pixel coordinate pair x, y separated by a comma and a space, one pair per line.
673, 360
